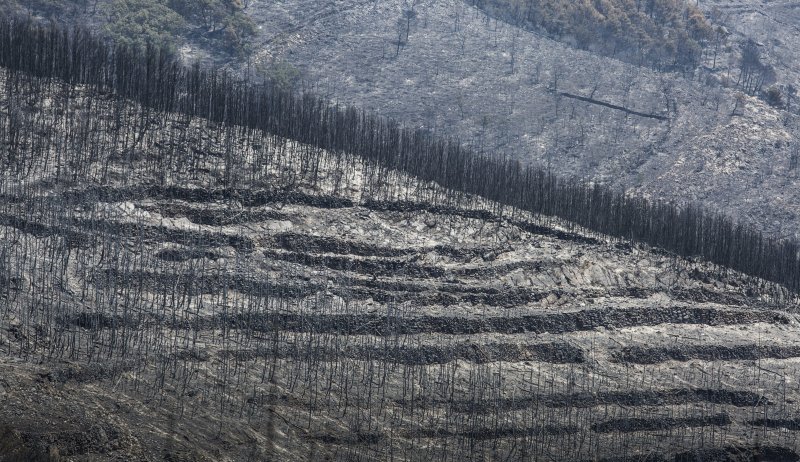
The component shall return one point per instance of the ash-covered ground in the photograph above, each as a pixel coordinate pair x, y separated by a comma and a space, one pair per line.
174, 289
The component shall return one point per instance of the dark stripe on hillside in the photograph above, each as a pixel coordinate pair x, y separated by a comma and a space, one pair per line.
72, 239
739, 453
789, 424
643, 355
351, 439
478, 434
379, 325
613, 106
720, 454
494, 433
628, 425
372, 324
586, 400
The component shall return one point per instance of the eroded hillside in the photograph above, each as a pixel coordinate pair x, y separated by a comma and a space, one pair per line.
180, 289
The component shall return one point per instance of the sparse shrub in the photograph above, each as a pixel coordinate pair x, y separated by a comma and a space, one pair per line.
282, 74
739, 101
774, 96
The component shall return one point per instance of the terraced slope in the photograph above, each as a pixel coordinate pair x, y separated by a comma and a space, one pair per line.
173, 289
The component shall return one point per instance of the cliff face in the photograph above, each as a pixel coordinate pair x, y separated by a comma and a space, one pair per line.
197, 291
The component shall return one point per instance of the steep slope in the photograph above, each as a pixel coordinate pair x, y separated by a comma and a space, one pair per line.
448, 67
180, 289
509, 92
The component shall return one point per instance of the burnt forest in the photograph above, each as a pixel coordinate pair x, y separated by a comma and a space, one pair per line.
201, 263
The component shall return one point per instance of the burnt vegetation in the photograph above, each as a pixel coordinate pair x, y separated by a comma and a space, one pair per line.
663, 34
152, 244
162, 86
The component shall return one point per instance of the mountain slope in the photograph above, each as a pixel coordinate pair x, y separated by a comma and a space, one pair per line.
507, 92
448, 67
209, 291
